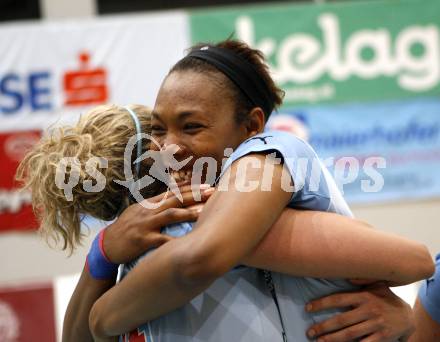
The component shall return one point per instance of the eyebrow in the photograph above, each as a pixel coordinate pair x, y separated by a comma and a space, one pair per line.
180, 116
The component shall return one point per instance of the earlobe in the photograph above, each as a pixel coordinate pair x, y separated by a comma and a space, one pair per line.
256, 121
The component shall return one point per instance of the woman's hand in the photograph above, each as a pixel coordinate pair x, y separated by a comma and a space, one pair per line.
135, 231
138, 228
376, 314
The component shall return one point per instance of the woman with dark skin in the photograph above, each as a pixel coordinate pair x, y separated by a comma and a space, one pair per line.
104, 132
197, 110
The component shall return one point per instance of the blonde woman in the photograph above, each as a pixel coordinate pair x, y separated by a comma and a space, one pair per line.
301, 243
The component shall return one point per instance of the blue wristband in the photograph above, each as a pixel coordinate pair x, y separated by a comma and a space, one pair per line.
99, 266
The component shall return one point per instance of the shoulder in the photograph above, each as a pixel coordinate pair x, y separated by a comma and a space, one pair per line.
285, 144
269, 138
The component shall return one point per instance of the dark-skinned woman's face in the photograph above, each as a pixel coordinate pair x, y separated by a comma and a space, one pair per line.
196, 113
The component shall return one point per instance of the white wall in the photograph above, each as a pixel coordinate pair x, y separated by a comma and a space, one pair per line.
26, 257
60, 9
416, 220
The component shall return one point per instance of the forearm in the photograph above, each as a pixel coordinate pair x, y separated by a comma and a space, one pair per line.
317, 244
152, 289
178, 271
161, 282
427, 330
76, 320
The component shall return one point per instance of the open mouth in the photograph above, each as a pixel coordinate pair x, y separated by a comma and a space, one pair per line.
181, 176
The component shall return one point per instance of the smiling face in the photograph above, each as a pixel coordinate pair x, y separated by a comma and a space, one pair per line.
197, 113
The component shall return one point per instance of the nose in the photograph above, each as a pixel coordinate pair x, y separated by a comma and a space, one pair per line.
170, 141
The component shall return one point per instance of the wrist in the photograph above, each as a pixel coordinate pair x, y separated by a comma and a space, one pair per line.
98, 264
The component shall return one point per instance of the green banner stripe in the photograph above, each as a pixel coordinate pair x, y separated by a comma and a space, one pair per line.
338, 52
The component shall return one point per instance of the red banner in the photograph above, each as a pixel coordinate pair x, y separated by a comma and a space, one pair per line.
15, 206
27, 314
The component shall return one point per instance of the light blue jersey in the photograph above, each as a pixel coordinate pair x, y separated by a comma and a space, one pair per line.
315, 187
239, 305
429, 293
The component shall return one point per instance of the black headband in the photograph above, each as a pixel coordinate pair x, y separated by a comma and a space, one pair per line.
239, 71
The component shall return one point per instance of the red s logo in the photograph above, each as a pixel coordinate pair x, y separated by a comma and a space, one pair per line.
85, 86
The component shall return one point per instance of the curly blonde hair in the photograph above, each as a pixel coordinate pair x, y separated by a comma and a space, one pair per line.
102, 132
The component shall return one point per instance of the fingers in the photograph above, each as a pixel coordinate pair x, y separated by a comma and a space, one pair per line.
174, 215
337, 322
352, 333
188, 199
183, 187
153, 240
190, 195
340, 300
197, 207
187, 187
381, 336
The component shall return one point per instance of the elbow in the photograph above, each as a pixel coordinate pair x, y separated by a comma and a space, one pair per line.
198, 267
427, 266
423, 265
99, 324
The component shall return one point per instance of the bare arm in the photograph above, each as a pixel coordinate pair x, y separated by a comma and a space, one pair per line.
135, 231
427, 330
339, 250
184, 267
76, 320
178, 271
426, 309
326, 245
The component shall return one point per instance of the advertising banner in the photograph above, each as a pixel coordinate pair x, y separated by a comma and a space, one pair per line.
361, 79
360, 67
390, 151
52, 72
27, 314
57, 70
346, 51
15, 205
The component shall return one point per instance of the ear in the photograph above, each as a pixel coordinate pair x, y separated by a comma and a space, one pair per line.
255, 122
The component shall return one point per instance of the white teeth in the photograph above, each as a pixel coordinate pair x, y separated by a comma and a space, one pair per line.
180, 176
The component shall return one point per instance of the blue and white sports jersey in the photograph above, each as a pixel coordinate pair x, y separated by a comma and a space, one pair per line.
429, 293
315, 187
239, 306
236, 307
